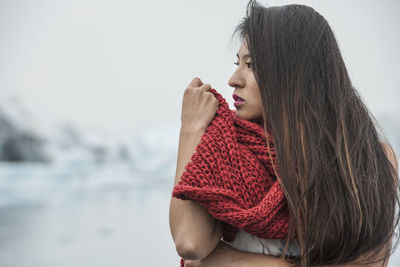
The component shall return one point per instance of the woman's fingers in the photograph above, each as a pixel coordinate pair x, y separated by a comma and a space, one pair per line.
199, 106
205, 87
196, 82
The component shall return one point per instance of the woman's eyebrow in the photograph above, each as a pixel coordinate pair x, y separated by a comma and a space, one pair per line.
244, 56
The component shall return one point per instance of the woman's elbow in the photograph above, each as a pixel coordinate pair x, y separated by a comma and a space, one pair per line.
190, 250
198, 246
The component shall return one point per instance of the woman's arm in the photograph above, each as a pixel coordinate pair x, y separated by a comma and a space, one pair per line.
195, 232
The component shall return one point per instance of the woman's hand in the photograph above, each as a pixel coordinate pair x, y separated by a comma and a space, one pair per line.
198, 106
222, 256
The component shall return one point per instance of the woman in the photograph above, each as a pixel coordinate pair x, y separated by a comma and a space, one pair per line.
334, 168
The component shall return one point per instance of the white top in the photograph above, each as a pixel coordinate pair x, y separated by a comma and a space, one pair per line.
250, 243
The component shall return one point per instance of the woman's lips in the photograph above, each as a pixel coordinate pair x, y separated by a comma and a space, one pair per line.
238, 102
236, 97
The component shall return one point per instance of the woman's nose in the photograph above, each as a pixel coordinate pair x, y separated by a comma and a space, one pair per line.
236, 80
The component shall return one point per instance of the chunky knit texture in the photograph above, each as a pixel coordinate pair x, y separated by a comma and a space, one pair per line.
232, 176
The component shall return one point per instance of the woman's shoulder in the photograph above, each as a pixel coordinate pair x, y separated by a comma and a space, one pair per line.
391, 155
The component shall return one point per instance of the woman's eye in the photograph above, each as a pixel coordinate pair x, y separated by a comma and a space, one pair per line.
250, 64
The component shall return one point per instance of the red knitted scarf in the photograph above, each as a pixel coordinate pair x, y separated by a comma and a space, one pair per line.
232, 176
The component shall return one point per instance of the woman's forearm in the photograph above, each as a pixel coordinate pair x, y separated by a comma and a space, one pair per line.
194, 231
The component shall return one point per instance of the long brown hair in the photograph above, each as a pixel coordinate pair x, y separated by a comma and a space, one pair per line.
340, 187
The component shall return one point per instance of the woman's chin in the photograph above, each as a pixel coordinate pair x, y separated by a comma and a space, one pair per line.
242, 115
238, 114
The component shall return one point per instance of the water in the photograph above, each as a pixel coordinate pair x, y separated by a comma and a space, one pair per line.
84, 214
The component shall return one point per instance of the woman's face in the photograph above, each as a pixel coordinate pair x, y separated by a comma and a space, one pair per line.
246, 87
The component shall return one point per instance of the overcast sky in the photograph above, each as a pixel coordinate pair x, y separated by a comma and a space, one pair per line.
119, 64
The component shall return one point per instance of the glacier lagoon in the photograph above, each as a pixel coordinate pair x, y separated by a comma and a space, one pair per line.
83, 214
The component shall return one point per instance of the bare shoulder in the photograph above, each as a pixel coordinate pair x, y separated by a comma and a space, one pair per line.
391, 155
